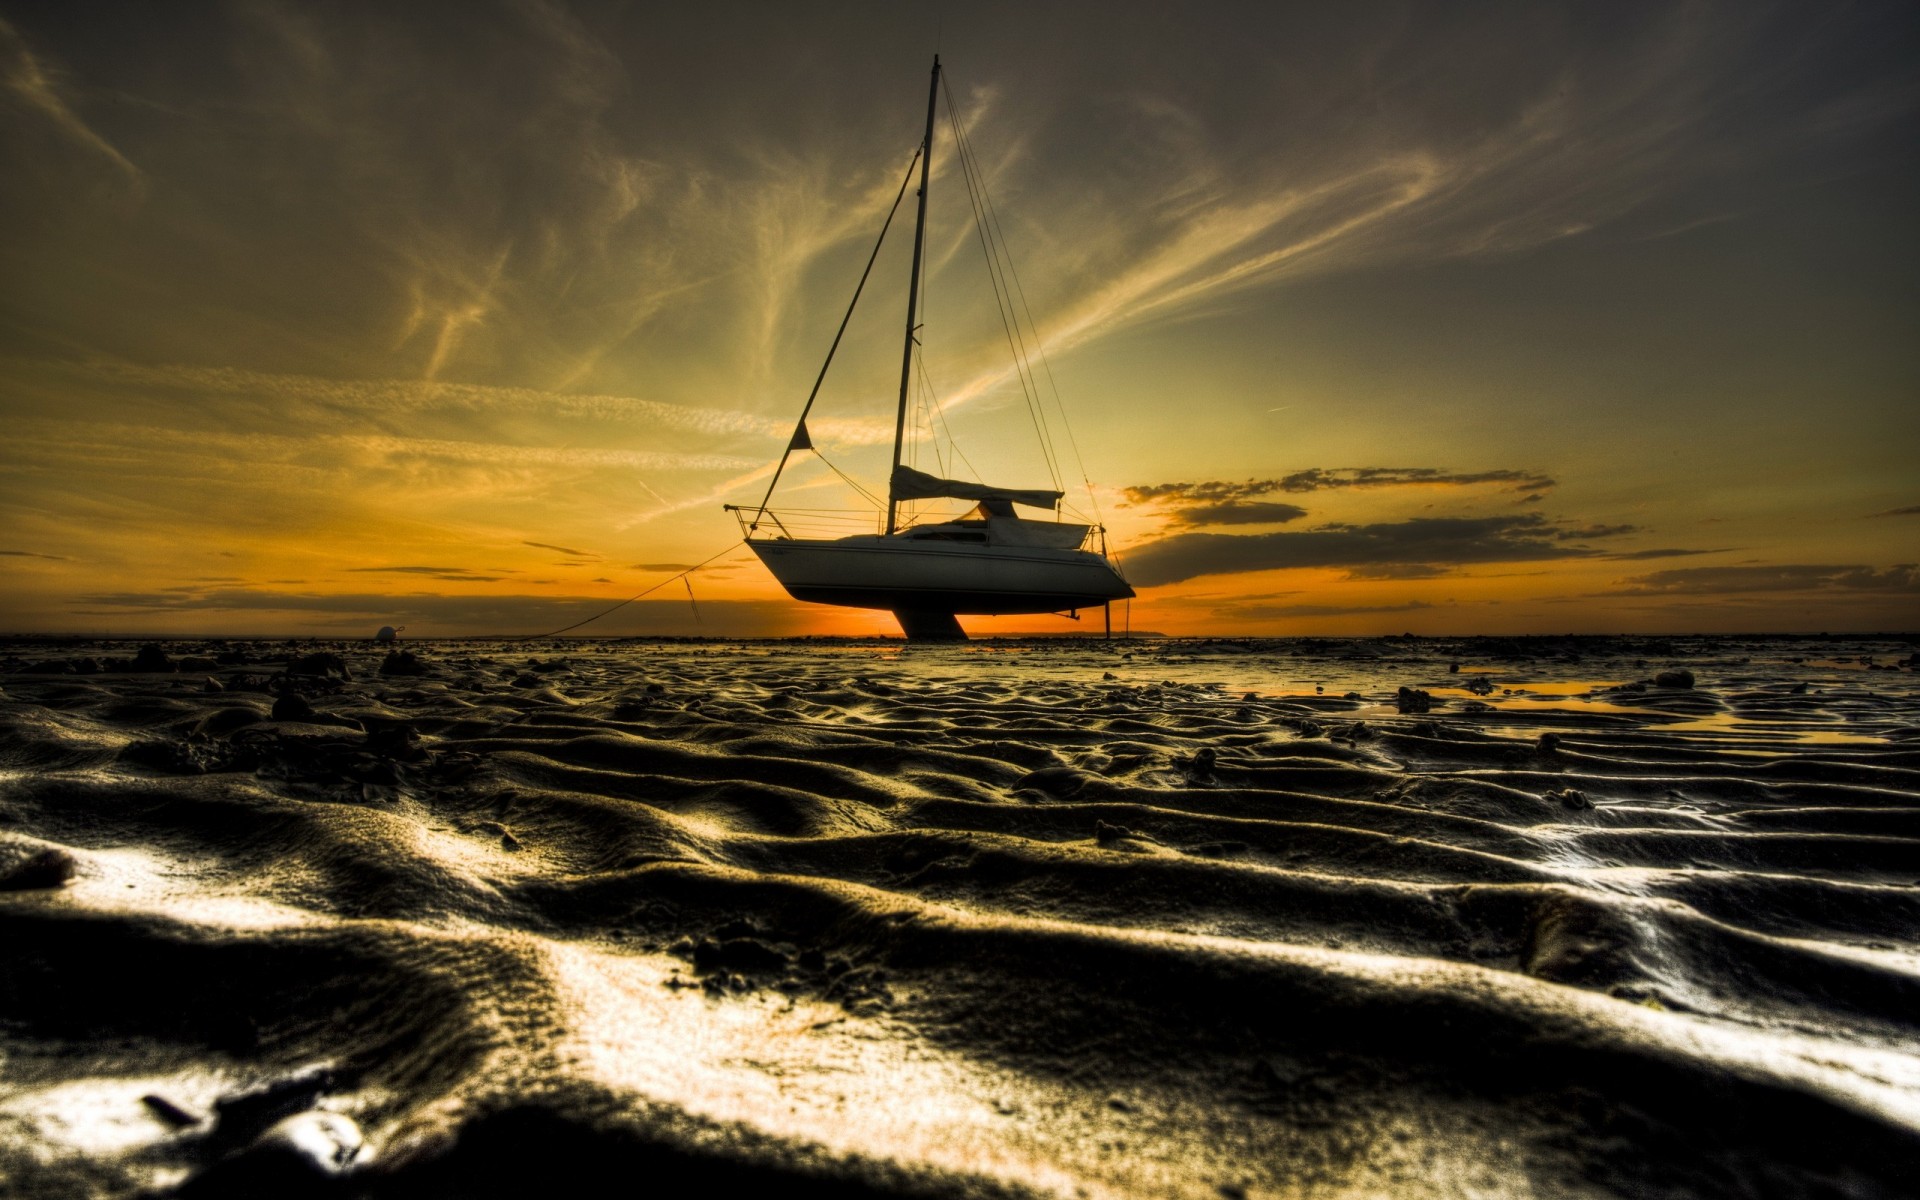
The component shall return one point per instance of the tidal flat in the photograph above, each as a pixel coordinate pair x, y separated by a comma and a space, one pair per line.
1502, 917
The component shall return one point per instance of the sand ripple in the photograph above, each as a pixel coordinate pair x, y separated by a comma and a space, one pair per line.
1402, 917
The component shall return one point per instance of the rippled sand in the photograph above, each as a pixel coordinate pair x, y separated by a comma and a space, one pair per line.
1020, 918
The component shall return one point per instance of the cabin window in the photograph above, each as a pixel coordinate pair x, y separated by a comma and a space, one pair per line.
947, 535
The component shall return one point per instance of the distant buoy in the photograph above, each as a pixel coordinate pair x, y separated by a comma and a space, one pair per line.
388, 634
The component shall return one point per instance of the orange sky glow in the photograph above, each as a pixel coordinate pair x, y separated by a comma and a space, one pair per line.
1481, 319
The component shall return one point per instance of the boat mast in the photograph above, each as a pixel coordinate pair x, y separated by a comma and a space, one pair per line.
913, 298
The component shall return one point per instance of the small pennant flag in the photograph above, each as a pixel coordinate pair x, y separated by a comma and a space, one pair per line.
800, 439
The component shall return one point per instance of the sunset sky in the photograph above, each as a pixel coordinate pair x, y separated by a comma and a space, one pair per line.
1369, 318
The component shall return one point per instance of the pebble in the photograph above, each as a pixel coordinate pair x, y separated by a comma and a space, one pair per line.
26, 869
151, 658
321, 665
292, 707
402, 662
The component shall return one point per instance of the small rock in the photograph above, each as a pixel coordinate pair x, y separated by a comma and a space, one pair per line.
318, 1143
1054, 781
222, 722
392, 737
1681, 678
292, 707
321, 665
1549, 743
737, 954
402, 662
28, 868
1571, 798
212, 685
169, 1112
1413, 700
151, 658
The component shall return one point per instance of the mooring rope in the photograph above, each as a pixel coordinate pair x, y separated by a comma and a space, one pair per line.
531, 637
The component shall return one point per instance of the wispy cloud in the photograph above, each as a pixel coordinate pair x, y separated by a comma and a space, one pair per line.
1394, 571
1593, 532
1422, 540
571, 553
1317, 479
1640, 555
451, 573
320, 400
1238, 512
1270, 612
29, 79
430, 614
1795, 577
31, 554
249, 450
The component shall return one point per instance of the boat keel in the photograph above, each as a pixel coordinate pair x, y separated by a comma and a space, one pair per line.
923, 625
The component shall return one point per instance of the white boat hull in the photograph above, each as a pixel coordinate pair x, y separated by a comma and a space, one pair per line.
910, 575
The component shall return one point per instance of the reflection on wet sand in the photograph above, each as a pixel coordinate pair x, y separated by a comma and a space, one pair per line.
1401, 916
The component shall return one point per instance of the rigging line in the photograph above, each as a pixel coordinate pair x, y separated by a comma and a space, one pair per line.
849, 480
993, 244
1045, 365
1039, 347
925, 409
841, 332
1000, 264
953, 443
1002, 299
630, 599
1023, 371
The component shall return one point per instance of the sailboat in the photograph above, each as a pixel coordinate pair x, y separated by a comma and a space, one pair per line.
989, 560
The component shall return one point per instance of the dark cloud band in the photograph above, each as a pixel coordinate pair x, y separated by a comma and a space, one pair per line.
1422, 540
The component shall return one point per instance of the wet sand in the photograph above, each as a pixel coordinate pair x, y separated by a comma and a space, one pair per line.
1149, 917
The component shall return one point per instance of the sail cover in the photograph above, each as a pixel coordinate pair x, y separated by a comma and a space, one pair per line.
909, 484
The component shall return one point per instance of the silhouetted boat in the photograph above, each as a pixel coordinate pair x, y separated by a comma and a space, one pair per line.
990, 561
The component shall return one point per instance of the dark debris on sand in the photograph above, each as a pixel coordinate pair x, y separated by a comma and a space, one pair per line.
1400, 916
